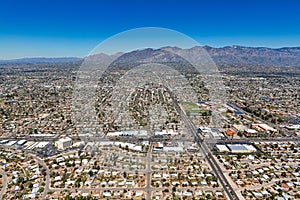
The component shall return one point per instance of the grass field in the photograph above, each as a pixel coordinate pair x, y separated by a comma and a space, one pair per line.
194, 109
190, 106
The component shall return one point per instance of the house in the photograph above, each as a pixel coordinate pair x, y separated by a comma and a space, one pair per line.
198, 193
128, 194
130, 183
240, 183
203, 182
219, 194
139, 194
106, 194
284, 186
111, 183
257, 195
194, 183
175, 183
122, 183
156, 176
185, 183
187, 194
103, 183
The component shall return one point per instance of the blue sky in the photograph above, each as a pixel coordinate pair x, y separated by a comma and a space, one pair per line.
58, 28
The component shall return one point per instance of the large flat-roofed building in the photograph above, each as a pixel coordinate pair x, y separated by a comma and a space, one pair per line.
63, 143
222, 148
11, 143
264, 127
250, 133
137, 133
21, 142
241, 148
239, 127
175, 149
166, 132
113, 134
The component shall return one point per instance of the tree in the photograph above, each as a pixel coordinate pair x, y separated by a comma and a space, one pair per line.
174, 189
91, 173
41, 190
30, 185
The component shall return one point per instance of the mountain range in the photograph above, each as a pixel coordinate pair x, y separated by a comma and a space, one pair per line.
239, 55
40, 60
229, 55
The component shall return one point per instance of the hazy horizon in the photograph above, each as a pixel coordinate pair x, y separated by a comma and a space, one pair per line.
80, 57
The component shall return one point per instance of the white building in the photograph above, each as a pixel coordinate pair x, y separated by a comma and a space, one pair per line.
264, 127
63, 143
21, 142
176, 149
241, 148
137, 133
222, 148
166, 132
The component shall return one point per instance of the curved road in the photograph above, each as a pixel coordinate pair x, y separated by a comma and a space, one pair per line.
47, 184
3, 190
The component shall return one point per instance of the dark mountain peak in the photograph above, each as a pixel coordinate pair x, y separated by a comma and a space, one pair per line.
170, 48
195, 48
148, 55
207, 47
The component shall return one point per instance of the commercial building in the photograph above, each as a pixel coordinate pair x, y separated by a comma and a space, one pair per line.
250, 133
241, 148
264, 127
21, 142
175, 149
138, 133
230, 132
235, 148
63, 143
222, 148
166, 132
11, 143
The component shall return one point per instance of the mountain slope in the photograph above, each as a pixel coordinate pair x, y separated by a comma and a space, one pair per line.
230, 55
239, 55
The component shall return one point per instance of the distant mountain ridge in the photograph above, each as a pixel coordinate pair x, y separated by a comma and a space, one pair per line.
41, 60
229, 55
240, 55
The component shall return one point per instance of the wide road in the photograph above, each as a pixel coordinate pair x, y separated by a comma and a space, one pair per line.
148, 173
253, 140
206, 151
211, 160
